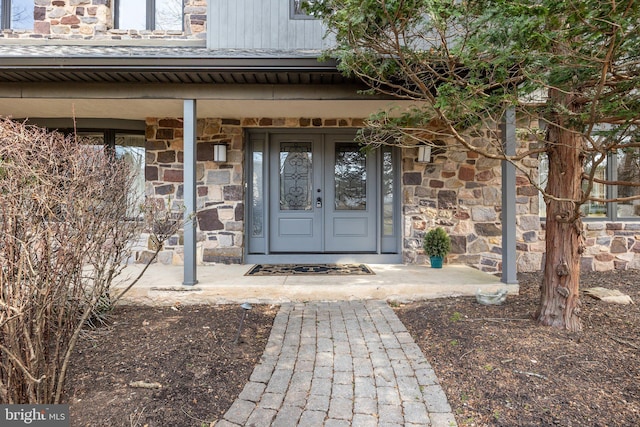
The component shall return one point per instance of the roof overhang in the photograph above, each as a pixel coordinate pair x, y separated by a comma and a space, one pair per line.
53, 63
135, 82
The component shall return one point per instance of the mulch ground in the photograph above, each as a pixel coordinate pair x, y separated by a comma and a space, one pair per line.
165, 366
496, 366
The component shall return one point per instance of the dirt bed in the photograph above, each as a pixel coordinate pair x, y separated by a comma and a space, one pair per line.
165, 366
497, 367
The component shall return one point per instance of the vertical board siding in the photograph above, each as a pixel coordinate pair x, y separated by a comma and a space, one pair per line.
260, 24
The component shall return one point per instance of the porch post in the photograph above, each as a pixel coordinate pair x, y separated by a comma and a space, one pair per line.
189, 182
509, 265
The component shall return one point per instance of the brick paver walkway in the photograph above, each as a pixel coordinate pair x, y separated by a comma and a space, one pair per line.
346, 363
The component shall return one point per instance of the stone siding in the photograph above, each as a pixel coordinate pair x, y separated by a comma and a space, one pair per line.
457, 190
611, 245
94, 20
461, 192
220, 186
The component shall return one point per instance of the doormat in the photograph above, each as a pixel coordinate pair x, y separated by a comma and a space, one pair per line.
298, 269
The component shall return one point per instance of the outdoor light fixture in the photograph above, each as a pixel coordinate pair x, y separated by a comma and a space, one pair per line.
220, 153
424, 153
245, 306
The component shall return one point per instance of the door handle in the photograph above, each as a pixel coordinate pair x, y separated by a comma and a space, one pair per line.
319, 202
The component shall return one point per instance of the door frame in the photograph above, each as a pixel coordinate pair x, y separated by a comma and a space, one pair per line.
256, 248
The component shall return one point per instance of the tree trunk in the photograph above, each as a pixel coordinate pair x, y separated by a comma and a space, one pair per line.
559, 294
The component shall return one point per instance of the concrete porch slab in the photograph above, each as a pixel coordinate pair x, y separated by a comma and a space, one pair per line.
220, 284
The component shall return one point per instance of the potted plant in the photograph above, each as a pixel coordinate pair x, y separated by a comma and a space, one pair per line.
437, 245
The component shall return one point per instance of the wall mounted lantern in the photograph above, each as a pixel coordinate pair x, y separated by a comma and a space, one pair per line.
220, 153
424, 153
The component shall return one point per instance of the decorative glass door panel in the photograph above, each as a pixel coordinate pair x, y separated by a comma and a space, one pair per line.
296, 176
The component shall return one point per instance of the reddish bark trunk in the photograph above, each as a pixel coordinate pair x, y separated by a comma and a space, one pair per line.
559, 294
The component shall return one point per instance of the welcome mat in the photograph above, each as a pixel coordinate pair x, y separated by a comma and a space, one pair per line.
293, 269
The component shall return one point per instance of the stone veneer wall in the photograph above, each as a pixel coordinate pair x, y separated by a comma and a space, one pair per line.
461, 192
93, 19
220, 187
458, 190
611, 245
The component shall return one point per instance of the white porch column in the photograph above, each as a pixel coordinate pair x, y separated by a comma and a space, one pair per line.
509, 265
189, 182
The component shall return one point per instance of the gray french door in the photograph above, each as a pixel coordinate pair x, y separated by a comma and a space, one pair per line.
322, 195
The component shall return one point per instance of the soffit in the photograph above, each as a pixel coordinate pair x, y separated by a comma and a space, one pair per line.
45, 63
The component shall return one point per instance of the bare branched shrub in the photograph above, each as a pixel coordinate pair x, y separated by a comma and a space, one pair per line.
65, 234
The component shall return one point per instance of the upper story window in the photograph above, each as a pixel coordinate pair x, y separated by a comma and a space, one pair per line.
16, 14
149, 14
297, 11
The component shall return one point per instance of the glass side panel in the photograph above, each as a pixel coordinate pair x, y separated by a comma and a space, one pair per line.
350, 177
169, 15
22, 14
296, 176
257, 197
132, 14
628, 171
387, 192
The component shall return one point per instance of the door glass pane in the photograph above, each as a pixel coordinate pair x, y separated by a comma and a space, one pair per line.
629, 171
257, 198
387, 192
22, 14
296, 181
169, 15
350, 177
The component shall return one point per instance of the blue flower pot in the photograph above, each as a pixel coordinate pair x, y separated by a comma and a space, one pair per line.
436, 261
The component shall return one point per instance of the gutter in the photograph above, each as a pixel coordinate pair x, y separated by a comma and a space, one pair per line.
166, 64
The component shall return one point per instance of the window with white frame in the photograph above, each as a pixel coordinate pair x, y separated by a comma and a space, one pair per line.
164, 15
16, 14
622, 166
